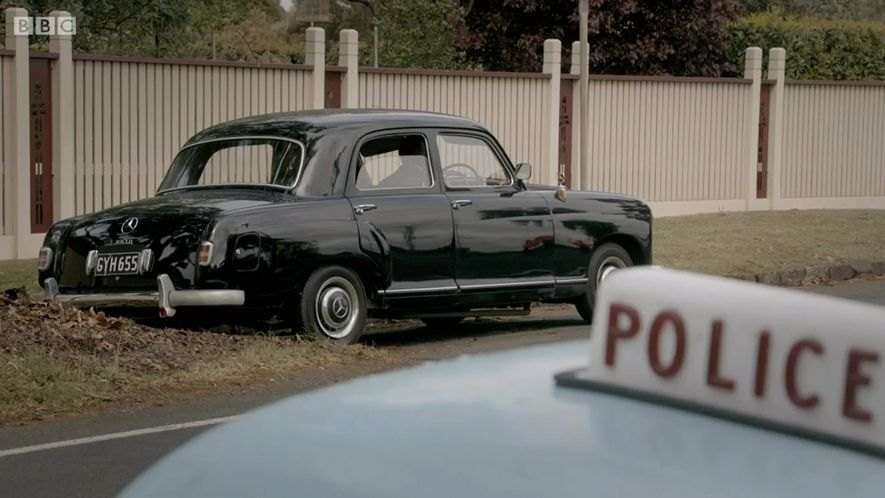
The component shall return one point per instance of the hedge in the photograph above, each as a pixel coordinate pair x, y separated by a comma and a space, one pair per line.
816, 48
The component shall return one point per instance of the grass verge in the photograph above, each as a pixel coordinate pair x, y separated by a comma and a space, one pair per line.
57, 360
15, 274
733, 243
41, 383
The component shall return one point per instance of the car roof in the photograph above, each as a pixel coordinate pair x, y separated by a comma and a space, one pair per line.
496, 425
296, 124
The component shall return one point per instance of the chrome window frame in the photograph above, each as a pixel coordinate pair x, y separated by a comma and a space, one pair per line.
495, 152
359, 156
243, 137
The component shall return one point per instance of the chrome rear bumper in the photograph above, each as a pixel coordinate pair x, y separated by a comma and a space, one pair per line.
167, 298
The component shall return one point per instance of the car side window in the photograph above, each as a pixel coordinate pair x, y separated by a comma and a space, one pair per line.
394, 161
470, 162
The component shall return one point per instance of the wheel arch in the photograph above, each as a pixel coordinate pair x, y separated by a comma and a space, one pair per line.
365, 268
630, 244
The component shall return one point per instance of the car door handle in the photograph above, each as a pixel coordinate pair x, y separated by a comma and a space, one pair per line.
460, 203
362, 208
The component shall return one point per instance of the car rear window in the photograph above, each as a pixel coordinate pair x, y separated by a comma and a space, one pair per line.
246, 160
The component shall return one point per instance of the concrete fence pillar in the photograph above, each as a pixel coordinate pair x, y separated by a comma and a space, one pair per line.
578, 178
315, 56
17, 147
777, 58
553, 67
62, 123
752, 71
348, 56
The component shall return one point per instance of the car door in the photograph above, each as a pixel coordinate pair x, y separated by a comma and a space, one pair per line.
404, 218
503, 233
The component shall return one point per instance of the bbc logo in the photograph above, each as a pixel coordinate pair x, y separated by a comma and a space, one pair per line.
44, 26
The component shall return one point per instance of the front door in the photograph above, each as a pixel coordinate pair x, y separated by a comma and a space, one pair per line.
403, 215
504, 234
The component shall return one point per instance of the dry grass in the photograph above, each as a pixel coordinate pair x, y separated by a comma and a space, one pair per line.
56, 360
732, 243
19, 273
42, 383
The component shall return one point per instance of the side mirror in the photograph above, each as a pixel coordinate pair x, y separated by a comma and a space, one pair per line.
523, 171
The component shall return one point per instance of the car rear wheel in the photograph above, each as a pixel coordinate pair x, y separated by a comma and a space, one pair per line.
443, 324
333, 304
606, 259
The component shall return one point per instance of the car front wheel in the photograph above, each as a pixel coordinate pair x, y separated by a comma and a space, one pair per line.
333, 304
606, 259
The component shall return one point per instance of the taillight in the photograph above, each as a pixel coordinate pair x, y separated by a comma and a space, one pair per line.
204, 254
44, 259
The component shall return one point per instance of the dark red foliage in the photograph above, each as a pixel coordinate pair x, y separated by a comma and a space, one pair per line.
677, 37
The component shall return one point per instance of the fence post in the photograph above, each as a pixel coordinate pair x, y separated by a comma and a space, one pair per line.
348, 56
62, 123
776, 71
18, 128
315, 56
577, 126
752, 71
553, 67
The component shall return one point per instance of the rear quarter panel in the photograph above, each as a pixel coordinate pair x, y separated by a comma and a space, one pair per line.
295, 239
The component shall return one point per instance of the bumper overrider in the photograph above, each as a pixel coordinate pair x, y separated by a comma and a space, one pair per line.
167, 298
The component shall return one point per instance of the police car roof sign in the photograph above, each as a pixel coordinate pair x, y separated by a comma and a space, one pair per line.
783, 359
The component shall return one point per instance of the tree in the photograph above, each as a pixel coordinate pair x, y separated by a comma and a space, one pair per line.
856, 10
411, 33
678, 37
228, 29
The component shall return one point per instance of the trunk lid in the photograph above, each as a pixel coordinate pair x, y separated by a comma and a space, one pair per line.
170, 225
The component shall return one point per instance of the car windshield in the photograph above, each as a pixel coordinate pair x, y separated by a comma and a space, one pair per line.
238, 160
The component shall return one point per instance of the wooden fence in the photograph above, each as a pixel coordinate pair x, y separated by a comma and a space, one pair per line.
834, 140
685, 145
132, 115
669, 139
510, 105
6, 204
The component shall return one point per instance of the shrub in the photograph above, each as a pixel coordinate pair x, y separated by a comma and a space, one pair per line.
816, 48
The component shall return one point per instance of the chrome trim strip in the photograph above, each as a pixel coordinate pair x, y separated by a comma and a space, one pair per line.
572, 280
388, 292
531, 283
167, 297
241, 137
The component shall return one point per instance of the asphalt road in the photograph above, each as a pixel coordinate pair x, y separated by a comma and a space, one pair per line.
98, 456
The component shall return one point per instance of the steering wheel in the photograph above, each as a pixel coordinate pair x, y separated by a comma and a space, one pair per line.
452, 171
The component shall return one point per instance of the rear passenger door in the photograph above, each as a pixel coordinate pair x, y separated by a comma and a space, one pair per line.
504, 234
403, 215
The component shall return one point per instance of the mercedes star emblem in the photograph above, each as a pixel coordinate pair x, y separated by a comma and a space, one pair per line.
339, 307
129, 225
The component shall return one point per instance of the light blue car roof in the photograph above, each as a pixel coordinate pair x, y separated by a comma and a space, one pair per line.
497, 426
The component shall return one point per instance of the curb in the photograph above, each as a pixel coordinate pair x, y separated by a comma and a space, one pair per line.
810, 275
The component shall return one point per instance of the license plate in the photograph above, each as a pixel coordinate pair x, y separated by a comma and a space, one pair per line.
121, 263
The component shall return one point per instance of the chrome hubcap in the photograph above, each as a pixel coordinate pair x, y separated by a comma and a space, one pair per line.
336, 307
608, 265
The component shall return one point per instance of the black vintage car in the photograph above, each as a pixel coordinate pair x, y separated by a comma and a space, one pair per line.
331, 217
